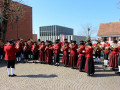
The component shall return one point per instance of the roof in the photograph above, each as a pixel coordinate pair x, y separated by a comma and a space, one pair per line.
108, 29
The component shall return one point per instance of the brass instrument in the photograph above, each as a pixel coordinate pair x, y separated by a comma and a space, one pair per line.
114, 46
98, 47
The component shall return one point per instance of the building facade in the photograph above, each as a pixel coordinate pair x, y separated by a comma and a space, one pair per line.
24, 26
109, 31
58, 32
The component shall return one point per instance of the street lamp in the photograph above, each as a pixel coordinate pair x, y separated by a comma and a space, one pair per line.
88, 34
17, 18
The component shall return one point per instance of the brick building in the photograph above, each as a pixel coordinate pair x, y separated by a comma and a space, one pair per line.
24, 26
110, 31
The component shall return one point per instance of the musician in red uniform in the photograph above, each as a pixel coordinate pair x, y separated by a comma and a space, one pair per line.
48, 53
35, 51
30, 43
25, 51
97, 48
113, 62
65, 40
72, 57
81, 58
56, 49
1, 49
42, 52
18, 53
106, 51
89, 65
10, 57
65, 57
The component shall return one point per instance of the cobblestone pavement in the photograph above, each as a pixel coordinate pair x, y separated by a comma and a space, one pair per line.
31, 76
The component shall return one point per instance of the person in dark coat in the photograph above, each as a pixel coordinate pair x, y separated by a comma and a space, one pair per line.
26, 51
10, 57
89, 65
81, 58
35, 52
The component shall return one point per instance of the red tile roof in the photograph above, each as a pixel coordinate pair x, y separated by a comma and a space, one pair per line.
107, 29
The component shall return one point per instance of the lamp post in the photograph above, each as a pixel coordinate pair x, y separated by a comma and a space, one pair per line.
88, 34
17, 18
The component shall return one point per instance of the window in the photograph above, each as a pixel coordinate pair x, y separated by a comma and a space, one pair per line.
114, 38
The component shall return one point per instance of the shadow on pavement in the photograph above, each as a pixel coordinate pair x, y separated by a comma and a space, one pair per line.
105, 75
39, 76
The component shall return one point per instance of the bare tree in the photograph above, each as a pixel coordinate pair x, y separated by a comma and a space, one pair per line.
11, 10
88, 30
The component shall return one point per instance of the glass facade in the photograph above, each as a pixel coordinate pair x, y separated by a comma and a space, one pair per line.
55, 30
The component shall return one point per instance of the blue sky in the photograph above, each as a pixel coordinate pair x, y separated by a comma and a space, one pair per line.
75, 14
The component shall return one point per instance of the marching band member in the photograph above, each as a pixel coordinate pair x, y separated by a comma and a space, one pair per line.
18, 54
48, 53
72, 57
56, 49
10, 57
25, 51
35, 51
1, 49
89, 65
65, 40
42, 52
65, 57
114, 55
30, 43
81, 58
97, 47
106, 51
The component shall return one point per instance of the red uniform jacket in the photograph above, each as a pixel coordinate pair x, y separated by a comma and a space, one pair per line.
10, 52
89, 52
56, 49
81, 49
59, 44
42, 48
65, 50
115, 50
95, 46
20, 46
25, 48
106, 45
73, 49
35, 48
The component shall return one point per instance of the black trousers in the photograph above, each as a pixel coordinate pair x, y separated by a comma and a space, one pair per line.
11, 63
35, 55
119, 60
91, 68
56, 57
82, 64
97, 54
106, 57
18, 54
25, 55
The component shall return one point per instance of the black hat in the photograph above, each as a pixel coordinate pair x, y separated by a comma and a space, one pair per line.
38, 39
115, 41
82, 42
90, 43
10, 41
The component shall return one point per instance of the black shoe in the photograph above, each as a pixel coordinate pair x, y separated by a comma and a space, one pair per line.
9, 75
13, 75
